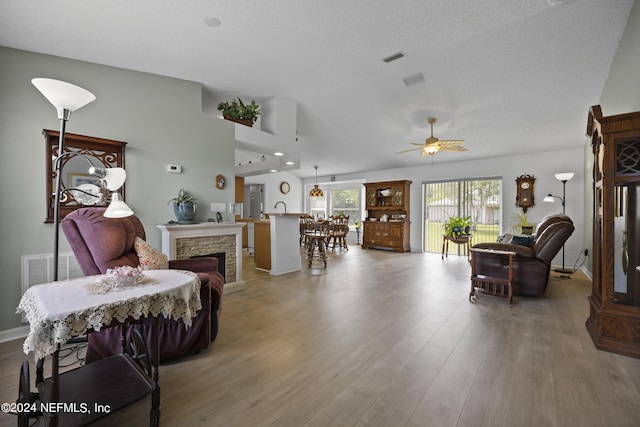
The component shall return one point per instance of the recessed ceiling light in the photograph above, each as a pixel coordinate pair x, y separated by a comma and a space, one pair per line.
212, 22
273, 170
277, 153
291, 163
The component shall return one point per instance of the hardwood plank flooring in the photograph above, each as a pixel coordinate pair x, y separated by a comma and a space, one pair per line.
386, 339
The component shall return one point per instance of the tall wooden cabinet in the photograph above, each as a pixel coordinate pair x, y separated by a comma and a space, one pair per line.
614, 317
387, 224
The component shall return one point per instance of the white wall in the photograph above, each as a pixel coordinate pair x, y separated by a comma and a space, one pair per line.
621, 95
161, 120
272, 194
543, 166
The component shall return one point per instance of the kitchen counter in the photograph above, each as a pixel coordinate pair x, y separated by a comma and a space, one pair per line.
284, 245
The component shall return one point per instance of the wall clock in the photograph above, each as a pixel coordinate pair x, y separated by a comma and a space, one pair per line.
284, 187
524, 192
220, 181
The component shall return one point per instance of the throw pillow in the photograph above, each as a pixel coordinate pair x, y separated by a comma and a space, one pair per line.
522, 240
149, 257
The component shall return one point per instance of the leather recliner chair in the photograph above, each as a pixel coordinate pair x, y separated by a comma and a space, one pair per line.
531, 265
100, 243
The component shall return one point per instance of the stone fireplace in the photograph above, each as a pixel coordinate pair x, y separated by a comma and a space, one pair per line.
191, 240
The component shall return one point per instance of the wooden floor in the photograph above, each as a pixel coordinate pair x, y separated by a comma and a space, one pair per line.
387, 339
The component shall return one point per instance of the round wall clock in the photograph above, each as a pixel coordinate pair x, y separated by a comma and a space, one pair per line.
284, 187
220, 182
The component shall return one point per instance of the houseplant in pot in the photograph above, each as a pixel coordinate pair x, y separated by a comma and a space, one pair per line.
457, 226
184, 206
520, 221
239, 112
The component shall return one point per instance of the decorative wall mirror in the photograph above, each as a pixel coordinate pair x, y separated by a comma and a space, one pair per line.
78, 188
524, 192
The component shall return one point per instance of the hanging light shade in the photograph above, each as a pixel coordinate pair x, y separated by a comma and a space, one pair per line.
316, 191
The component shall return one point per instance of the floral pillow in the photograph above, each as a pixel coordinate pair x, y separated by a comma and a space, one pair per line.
149, 257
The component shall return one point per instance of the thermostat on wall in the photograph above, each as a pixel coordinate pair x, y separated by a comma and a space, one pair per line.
174, 168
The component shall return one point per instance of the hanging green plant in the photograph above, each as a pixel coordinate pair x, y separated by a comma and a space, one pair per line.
238, 111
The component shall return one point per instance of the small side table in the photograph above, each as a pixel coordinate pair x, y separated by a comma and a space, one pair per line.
492, 285
464, 239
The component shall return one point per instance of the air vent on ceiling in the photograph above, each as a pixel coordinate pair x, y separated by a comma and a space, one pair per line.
413, 80
393, 57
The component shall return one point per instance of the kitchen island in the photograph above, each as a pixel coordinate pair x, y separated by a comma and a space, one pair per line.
284, 243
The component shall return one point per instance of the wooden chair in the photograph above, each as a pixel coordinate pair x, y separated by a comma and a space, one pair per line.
306, 225
316, 242
338, 229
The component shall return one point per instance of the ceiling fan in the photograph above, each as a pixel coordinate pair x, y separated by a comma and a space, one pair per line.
432, 144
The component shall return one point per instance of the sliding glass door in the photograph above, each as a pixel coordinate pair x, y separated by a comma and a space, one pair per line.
479, 199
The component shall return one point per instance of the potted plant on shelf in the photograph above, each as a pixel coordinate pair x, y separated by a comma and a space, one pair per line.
184, 206
457, 226
521, 221
239, 112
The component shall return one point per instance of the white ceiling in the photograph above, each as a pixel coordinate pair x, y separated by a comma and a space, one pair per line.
507, 76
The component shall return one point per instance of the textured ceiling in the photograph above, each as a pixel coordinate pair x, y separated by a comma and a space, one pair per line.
507, 76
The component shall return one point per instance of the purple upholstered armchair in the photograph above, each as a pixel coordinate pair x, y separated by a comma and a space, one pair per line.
101, 243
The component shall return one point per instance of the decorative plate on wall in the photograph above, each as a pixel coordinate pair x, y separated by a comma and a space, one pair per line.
220, 181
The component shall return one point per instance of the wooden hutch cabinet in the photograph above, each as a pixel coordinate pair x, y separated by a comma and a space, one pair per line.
387, 224
614, 317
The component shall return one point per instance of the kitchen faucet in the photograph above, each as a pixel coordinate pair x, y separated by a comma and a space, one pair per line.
285, 206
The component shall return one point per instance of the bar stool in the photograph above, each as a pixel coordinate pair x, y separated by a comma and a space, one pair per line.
317, 241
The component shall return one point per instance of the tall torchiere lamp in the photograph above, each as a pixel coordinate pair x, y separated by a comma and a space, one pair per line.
563, 177
66, 98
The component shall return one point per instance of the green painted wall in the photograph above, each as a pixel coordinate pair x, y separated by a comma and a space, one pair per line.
160, 118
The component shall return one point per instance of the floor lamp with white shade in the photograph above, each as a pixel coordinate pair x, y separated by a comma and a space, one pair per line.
67, 98
562, 177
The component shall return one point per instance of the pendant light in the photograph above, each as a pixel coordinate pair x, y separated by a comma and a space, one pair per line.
316, 191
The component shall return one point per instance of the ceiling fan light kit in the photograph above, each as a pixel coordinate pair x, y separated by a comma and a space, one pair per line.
433, 145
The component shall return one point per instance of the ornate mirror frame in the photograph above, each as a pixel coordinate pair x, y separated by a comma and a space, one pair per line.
525, 198
104, 153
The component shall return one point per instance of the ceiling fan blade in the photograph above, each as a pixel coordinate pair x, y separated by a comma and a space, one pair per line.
422, 144
452, 148
406, 151
452, 141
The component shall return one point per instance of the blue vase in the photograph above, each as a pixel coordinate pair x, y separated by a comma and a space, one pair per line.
185, 212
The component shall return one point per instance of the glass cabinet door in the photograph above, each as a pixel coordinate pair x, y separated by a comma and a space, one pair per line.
371, 197
398, 196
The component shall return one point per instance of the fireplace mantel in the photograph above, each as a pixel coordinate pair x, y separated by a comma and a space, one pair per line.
207, 234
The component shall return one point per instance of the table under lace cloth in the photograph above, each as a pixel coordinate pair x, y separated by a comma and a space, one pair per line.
59, 311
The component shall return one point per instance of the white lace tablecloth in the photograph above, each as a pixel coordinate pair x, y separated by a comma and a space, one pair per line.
59, 311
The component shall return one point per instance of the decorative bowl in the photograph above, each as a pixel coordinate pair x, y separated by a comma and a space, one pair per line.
124, 276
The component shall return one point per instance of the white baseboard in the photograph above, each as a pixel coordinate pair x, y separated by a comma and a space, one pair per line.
14, 334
